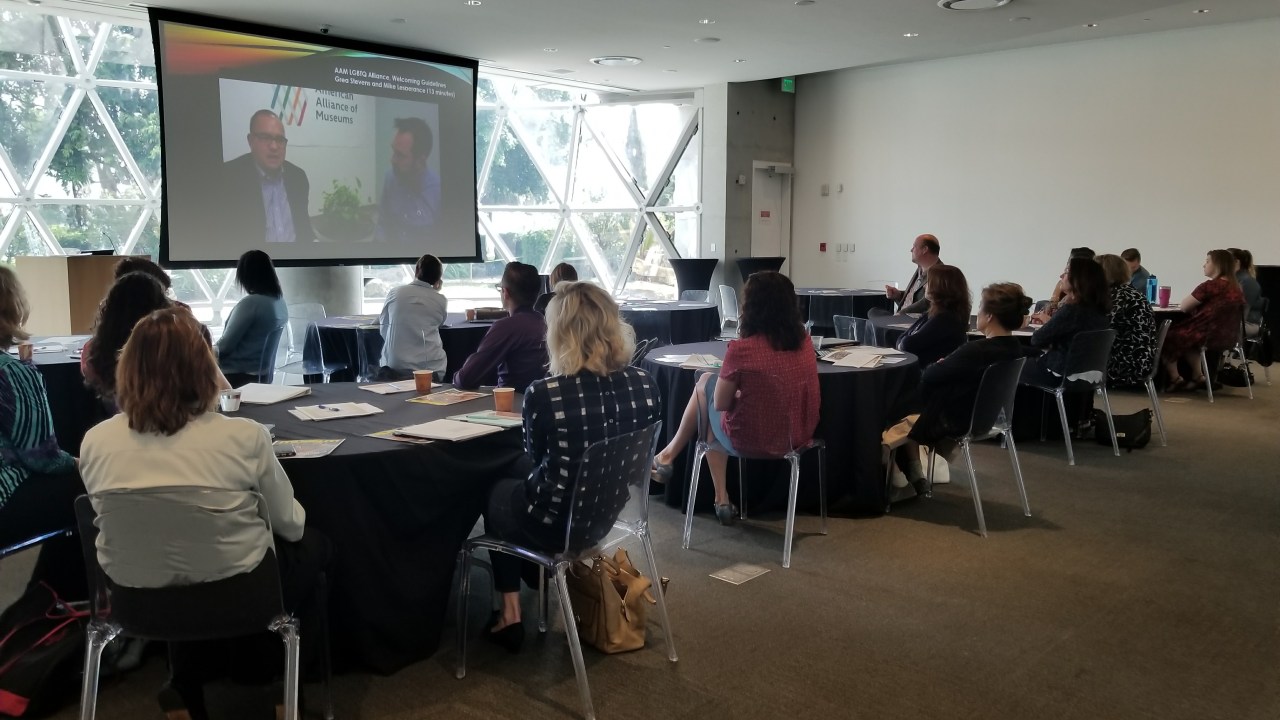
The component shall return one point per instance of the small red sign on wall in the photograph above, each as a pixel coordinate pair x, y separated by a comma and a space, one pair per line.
764, 213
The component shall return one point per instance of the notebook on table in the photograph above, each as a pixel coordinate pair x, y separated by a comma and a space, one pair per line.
452, 430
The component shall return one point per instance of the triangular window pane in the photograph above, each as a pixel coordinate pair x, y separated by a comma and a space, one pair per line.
27, 241
682, 228
83, 33
91, 227
596, 184
136, 114
6, 209
513, 178
128, 55
87, 164
651, 276
551, 131
683, 187
7, 188
485, 118
30, 42
29, 114
610, 233
149, 240
570, 251
642, 136
528, 235
485, 93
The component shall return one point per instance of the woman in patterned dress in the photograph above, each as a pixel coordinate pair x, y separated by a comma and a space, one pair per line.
1134, 350
1216, 307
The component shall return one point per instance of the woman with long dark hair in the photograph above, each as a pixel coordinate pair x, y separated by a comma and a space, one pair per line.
258, 315
1085, 306
1216, 308
945, 327
771, 343
134, 296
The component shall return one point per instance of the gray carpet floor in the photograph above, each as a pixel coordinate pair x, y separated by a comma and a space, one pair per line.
1144, 586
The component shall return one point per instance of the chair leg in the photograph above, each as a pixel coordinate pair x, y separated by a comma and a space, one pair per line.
1017, 471
973, 487
1204, 368
1066, 431
575, 646
542, 599
698, 455
822, 486
98, 636
326, 658
889, 455
288, 632
659, 594
928, 486
464, 590
742, 492
1155, 406
791, 510
1247, 384
1111, 423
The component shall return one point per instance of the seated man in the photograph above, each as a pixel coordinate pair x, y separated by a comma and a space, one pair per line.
924, 253
1138, 275
514, 351
410, 324
564, 272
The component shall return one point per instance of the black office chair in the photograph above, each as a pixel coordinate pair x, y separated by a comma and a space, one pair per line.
162, 525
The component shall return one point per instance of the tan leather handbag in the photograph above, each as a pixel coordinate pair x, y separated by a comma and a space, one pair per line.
610, 602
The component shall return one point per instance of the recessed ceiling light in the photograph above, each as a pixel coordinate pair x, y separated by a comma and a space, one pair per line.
1091, 25
670, 71
398, 21
802, 3
1202, 11
616, 60
707, 40
910, 35
666, 47
473, 3
706, 21
562, 71
971, 4
1022, 18
740, 60
550, 50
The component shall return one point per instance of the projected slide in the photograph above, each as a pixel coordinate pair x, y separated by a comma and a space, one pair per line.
311, 152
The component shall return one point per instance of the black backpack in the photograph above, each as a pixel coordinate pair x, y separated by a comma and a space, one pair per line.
1132, 431
41, 651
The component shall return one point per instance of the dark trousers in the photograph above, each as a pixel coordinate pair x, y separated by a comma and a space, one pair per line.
43, 504
507, 519
259, 658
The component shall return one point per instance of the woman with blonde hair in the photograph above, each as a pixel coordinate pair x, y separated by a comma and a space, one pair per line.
592, 394
1134, 350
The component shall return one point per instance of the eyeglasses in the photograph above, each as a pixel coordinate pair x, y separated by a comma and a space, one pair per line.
270, 139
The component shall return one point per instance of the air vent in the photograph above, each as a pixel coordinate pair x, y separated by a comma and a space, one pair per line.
971, 4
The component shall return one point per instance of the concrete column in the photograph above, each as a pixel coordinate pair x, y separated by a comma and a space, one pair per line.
339, 289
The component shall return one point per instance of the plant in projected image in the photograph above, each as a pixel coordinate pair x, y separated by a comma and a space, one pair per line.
343, 201
342, 216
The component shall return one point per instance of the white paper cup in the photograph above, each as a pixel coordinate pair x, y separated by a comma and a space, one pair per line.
229, 400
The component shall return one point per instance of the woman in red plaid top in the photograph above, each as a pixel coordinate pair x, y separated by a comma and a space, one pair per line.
765, 400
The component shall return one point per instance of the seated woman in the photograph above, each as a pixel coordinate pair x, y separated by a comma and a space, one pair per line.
564, 272
949, 387
1133, 353
1059, 293
592, 394
132, 297
38, 481
771, 340
1085, 307
259, 314
946, 326
1247, 276
169, 435
1215, 307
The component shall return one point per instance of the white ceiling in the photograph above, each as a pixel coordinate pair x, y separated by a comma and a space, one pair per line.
773, 38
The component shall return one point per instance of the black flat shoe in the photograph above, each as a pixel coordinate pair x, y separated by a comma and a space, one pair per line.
510, 637
726, 513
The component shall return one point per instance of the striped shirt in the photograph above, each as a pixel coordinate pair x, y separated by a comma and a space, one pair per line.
566, 414
27, 443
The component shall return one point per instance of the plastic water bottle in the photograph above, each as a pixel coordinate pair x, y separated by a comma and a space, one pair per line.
1153, 284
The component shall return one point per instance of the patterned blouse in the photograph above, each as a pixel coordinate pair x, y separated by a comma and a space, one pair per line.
27, 443
566, 414
1134, 351
770, 417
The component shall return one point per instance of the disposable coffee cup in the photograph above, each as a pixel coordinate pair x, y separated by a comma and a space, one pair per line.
229, 400
817, 341
504, 399
1162, 296
422, 381
25, 351
471, 313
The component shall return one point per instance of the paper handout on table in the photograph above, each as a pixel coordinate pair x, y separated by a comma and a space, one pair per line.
334, 411
447, 430
492, 417
391, 387
858, 357
447, 397
702, 362
309, 448
262, 394
391, 435
672, 359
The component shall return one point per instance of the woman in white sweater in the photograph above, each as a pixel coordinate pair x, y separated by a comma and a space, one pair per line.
167, 435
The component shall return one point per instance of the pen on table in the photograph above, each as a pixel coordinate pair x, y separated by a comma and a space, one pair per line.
329, 407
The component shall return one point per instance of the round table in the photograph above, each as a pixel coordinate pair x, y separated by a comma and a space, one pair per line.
396, 514
672, 321
819, 304
855, 409
339, 334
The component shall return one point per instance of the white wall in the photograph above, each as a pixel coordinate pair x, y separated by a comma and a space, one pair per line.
1169, 142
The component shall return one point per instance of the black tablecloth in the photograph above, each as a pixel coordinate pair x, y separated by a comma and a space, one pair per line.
856, 404
673, 322
74, 406
396, 514
820, 304
338, 335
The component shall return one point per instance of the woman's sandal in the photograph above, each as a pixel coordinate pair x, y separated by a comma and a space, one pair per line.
661, 473
726, 513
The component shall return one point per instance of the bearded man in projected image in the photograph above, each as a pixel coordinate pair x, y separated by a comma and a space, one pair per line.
267, 193
410, 191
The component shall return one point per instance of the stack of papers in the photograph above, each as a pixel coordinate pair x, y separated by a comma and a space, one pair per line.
307, 448
701, 362
261, 394
446, 430
672, 359
863, 357
391, 435
391, 387
334, 411
447, 397
492, 417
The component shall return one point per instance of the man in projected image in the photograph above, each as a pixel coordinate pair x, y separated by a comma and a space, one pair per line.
410, 191
268, 194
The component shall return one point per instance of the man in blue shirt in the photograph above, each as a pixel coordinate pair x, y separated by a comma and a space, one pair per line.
1138, 275
410, 191
410, 323
514, 351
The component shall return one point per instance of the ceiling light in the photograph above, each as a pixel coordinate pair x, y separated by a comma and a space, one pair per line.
550, 50
1091, 25
616, 60
666, 47
804, 2
1022, 18
740, 60
971, 4
706, 21
707, 40
473, 3
910, 35
1202, 11
562, 71
670, 71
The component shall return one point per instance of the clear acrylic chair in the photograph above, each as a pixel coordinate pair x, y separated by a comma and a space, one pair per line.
1085, 369
849, 327
728, 313
320, 364
301, 315
695, 296
1235, 351
992, 416
771, 391
1161, 332
1253, 344
873, 335
642, 348
270, 350
610, 504
183, 530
